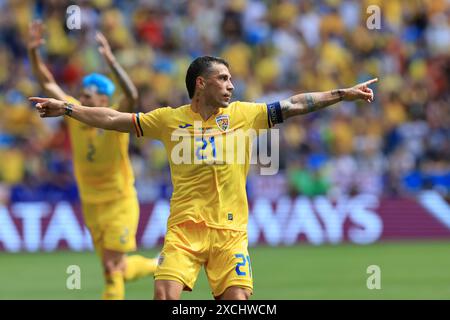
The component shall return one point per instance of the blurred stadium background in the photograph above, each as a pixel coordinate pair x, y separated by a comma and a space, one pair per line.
358, 185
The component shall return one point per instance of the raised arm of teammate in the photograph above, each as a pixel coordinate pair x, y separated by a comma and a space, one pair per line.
313, 101
40, 70
129, 102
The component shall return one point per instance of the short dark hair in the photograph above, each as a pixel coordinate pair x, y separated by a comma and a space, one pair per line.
197, 68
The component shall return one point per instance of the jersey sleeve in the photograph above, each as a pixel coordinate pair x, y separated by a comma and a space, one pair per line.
151, 124
256, 114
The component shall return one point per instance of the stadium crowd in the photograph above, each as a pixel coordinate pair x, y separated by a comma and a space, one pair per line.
398, 145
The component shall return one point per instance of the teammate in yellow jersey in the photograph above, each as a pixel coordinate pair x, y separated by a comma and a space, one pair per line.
102, 169
207, 225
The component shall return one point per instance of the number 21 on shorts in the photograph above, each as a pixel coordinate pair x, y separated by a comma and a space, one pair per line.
242, 264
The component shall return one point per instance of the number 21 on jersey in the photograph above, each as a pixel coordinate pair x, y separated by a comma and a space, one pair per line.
205, 148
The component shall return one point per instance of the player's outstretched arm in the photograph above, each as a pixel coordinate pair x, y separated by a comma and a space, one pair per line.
105, 118
40, 70
313, 101
129, 102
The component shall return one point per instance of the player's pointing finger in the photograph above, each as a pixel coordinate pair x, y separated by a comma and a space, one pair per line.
38, 99
370, 81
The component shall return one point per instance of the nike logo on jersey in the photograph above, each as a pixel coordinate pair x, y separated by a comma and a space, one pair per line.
185, 126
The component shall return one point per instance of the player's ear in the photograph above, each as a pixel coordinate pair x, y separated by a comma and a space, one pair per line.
200, 82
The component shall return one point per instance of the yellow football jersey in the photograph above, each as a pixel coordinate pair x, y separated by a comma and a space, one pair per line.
101, 163
209, 160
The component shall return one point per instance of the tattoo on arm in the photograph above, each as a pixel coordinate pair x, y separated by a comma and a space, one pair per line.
310, 102
339, 93
286, 108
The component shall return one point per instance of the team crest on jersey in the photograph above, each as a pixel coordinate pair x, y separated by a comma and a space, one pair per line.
223, 122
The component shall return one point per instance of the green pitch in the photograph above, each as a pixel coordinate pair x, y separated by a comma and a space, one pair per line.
408, 271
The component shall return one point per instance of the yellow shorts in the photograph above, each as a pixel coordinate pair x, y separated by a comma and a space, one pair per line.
189, 245
113, 224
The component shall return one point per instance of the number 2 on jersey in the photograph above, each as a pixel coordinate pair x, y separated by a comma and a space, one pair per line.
91, 152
